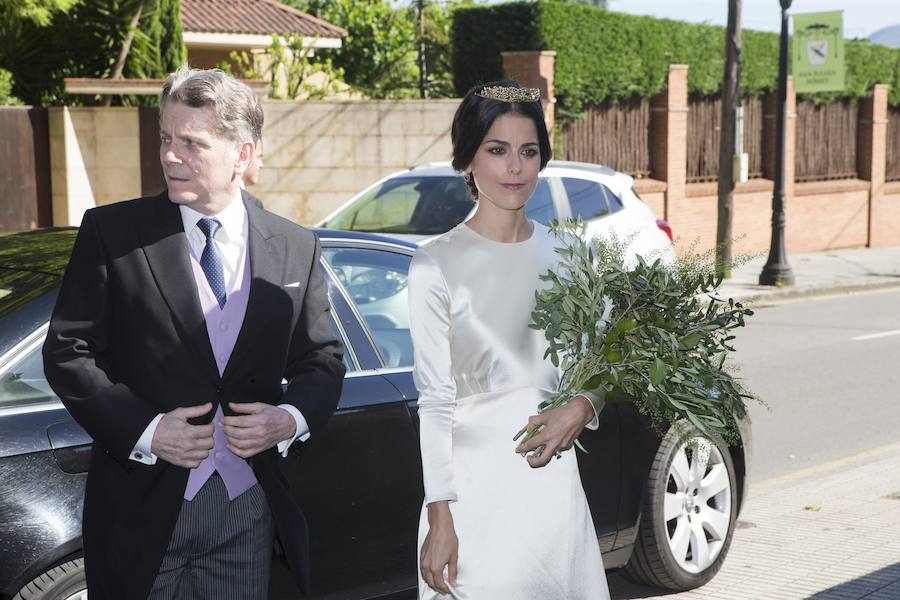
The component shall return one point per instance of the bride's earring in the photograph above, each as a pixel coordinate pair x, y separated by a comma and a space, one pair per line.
470, 183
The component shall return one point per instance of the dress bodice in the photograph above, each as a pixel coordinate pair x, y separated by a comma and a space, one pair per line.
486, 289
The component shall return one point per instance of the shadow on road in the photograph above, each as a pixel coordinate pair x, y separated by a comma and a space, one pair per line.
622, 589
883, 584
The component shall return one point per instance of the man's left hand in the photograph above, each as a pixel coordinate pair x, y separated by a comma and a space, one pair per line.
258, 427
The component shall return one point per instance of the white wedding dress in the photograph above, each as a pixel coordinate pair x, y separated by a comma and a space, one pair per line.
524, 533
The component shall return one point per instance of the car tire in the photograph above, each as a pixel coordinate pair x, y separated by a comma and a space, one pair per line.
62, 582
678, 508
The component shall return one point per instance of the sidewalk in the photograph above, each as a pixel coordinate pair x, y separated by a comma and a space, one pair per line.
830, 532
819, 273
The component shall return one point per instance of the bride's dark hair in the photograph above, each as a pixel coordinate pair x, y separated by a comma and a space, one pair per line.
477, 113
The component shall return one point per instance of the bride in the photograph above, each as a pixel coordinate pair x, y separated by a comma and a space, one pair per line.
499, 521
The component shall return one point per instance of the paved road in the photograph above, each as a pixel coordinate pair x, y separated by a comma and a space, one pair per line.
824, 533
829, 370
824, 507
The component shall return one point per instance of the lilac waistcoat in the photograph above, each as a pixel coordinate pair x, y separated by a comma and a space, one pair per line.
223, 326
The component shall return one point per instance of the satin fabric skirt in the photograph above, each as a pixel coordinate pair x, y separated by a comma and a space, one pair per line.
523, 533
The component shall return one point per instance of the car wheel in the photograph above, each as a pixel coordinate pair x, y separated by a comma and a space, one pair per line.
63, 582
688, 513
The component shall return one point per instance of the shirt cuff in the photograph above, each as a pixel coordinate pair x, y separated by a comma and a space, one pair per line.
302, 432
597, 400
141, 452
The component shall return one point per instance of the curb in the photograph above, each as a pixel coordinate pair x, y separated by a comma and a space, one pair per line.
776, 297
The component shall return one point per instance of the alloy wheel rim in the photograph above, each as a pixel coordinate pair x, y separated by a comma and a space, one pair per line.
79, 595
697, 506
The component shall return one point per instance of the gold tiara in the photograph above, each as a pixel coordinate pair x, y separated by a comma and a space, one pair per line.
510, 94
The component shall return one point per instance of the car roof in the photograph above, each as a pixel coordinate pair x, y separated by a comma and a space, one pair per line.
47, 250
444, 168
38, 250
339, 234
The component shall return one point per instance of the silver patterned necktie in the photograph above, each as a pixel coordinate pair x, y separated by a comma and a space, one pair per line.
211, 259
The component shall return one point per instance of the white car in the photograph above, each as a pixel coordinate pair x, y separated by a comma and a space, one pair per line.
425, 201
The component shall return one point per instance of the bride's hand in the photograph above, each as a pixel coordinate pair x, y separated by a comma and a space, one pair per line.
441, 548
561, 426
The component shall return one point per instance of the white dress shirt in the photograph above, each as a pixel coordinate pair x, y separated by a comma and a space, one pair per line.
231, 240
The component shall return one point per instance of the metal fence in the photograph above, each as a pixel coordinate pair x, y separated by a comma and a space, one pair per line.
892, 172
24, 168
826, 141
704, 117
613, 134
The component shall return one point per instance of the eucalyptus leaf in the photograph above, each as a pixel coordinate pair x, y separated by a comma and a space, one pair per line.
664, 342
657, 372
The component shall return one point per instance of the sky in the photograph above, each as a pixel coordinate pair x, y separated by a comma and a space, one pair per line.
861, 17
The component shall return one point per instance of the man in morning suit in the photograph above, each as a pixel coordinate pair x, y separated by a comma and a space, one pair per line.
177, 319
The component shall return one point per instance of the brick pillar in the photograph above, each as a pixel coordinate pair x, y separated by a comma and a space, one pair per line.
94, 159
770, 110
668, 137
534, 68
872, 155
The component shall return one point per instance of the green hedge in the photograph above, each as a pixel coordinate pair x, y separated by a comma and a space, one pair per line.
603, 55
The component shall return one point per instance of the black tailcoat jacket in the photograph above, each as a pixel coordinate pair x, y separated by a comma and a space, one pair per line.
128, 341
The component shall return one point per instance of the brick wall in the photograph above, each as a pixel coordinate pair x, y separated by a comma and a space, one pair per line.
819, 215
319, 154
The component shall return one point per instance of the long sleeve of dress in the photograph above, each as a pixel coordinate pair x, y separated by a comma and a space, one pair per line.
429, 322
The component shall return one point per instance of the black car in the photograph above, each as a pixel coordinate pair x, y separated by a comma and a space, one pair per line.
359, 481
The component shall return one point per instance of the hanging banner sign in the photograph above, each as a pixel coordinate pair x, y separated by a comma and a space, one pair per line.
817, 52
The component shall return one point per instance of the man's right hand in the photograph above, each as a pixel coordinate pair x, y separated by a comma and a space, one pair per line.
178, 442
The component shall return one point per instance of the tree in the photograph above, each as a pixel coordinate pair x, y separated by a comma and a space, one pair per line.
84, 41
380, 54
287, 66
6, 83
597, 3
25, 34
172, 51
437, 39
39, 12
126, 44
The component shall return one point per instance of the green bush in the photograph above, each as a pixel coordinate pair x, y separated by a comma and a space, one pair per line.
480, 33
6, 85
603, 55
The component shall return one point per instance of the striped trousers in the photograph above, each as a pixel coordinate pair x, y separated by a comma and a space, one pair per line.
220, 549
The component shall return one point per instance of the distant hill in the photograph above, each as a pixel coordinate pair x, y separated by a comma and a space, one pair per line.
889, 36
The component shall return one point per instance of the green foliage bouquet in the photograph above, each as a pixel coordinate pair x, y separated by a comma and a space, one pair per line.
649, 333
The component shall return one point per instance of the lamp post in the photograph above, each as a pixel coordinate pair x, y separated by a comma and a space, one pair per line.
777, 271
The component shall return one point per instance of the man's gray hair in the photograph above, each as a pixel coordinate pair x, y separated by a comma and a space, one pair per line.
236, 109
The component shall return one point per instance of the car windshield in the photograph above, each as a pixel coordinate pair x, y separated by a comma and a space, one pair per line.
408, 205
425, 205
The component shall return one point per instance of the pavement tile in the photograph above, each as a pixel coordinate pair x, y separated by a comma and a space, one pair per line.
848, 550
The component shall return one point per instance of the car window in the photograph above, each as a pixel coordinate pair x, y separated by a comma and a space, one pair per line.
540, 206
423, 205
614, 202
376, 281
338, 334
587, 199
23, 382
